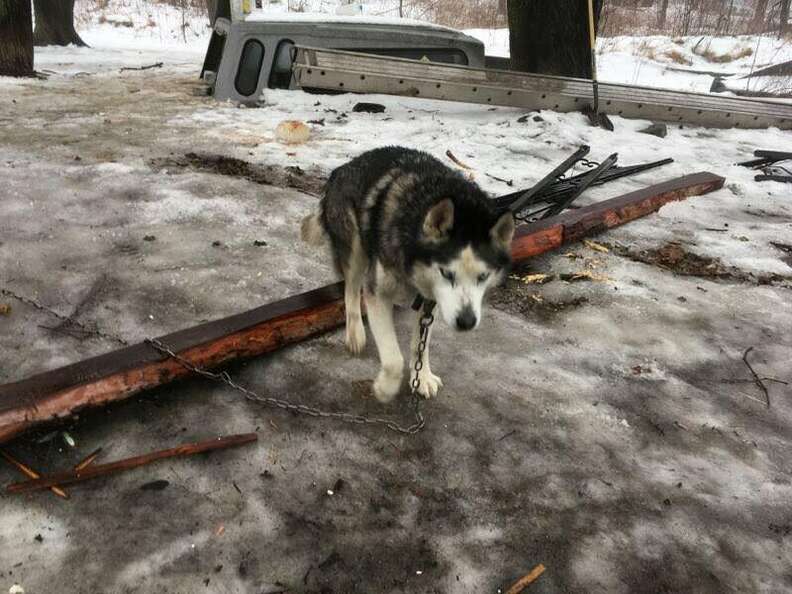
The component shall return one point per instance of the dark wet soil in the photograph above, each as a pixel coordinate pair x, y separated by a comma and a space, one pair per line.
526, 299
269, 175
674, 257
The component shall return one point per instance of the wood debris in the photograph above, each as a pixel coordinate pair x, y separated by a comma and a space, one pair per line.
30, 473
76, 476
757, 380
453, 157
526, 580
595, 246
585, 275
538, 279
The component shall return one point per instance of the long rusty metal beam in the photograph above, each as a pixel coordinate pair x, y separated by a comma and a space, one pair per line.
117, 375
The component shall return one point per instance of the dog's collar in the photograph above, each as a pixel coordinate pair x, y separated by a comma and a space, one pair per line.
419, 301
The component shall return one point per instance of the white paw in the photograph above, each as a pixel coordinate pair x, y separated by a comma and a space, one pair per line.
430, 384
355, 336
386, 386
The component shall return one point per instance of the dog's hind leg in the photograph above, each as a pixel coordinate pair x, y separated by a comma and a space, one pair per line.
354, 273
380, 317
429, 384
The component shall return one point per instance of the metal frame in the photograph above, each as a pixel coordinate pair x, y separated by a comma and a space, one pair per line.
349, 71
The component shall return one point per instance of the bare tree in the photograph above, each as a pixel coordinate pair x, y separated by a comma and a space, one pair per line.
551, 37
784, 27
760, 12
662, 11
55, 23
16, 38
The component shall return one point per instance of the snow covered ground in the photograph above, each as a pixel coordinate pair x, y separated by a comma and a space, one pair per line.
607, 429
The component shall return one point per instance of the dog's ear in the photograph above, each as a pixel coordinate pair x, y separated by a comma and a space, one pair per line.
502, 231
439, 220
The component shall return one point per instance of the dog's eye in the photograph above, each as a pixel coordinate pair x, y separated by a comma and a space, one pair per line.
482, 277
448, 275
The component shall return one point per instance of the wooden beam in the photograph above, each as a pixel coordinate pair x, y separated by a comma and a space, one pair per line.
119, 374
574, 225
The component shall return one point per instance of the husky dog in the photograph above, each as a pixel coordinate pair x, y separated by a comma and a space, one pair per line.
401, 223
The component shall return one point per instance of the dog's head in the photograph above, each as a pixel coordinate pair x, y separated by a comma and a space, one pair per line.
464, 249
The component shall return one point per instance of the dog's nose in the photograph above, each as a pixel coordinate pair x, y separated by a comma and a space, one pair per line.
466, 319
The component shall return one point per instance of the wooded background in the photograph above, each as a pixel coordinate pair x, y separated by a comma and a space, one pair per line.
545, 37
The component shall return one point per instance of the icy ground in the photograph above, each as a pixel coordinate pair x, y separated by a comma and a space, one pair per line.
605, 428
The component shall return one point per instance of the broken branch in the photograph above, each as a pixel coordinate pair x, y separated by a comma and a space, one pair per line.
757, 380
30, 473
156, 65
88, 460
451, 156
84, 474
508, 182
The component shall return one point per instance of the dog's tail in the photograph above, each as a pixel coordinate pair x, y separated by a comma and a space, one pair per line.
311, 230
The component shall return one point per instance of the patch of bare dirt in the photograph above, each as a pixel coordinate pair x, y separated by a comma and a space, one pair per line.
675, 258
268, 175
515, 297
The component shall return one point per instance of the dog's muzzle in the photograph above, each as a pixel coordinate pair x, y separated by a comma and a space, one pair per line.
466, 319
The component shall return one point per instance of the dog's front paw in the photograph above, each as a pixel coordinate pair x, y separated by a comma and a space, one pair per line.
429, 384
355, 336
386, 386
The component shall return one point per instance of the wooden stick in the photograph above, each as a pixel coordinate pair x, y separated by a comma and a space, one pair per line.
526, 580
84, 474
119, 374
757, 380
149, 66
453, 157
88, 460
30, 473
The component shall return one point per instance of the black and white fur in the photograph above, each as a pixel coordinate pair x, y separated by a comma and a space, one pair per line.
400, 222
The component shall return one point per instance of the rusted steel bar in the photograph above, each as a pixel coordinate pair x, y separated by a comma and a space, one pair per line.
78, 475
119, 374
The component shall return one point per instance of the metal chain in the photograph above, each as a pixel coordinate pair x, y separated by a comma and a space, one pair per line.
424, 323
222, 377
67, 321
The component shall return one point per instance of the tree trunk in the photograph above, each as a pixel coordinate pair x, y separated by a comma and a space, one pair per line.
551, 37
16, 38
661, 14
784, 26
55, 23
759, 15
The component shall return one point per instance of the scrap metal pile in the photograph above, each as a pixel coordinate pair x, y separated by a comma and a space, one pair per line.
773, 165
555, 192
